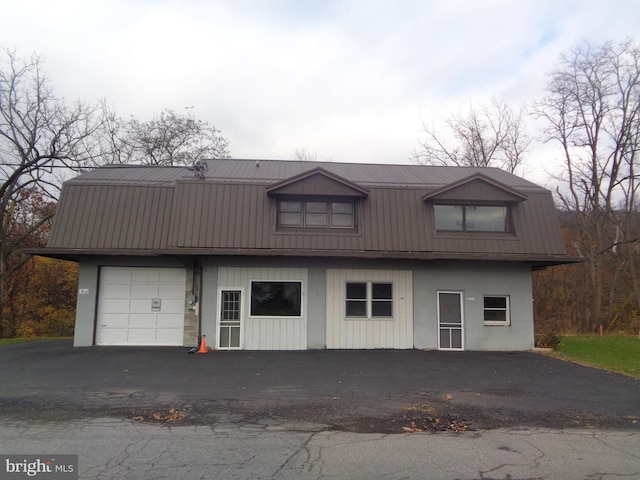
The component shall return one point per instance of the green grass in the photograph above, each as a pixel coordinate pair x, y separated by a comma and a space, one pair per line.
616, 353
11, 341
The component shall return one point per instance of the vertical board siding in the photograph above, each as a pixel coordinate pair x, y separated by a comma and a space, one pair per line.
367, 334
268, 333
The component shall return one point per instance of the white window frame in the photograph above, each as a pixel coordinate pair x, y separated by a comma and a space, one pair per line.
370, 300
506, 309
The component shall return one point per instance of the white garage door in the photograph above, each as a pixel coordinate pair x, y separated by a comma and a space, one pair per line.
141, 306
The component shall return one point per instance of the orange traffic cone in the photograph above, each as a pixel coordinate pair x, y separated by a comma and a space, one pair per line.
203, 345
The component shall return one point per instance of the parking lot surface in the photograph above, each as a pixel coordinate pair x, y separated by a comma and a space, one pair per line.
360, 391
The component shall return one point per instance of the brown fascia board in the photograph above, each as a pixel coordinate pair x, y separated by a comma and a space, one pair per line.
539, 261
77, 254
518, 197
273, 189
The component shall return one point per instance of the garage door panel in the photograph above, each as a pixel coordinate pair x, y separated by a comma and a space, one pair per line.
128, 312
113, 336
114, 320
145, 275
146, 290
140, 305
115, 290
115, 275
142, 336
167, 305
114, 305
142, 320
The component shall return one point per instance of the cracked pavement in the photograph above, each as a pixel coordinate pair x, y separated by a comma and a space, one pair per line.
160, 413
123, 449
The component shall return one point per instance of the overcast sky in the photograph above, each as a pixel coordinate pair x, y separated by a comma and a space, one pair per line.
347, 80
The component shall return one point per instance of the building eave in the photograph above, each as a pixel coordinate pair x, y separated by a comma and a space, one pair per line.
535, 260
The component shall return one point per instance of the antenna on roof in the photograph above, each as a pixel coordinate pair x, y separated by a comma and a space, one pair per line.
199, 169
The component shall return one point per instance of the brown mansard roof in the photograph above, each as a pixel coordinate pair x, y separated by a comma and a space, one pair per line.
149, 210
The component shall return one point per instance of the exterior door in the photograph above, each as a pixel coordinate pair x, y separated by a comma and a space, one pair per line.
230, 325
450, 321
141, 306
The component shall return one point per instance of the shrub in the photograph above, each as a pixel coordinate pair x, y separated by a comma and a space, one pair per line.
548, 340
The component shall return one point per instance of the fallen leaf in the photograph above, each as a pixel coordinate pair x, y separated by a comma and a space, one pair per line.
412, 428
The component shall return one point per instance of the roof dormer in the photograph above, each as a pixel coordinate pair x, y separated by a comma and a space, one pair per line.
317, 199
473, 189
318, 182
475, 204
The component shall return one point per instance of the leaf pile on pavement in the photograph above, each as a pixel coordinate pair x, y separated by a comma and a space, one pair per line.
437, 424
424, 418
170, 415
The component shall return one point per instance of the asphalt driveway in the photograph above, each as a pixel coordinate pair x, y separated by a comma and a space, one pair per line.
381, 391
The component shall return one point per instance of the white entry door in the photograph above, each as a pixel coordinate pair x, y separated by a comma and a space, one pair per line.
450, 321
141, 306
230, 320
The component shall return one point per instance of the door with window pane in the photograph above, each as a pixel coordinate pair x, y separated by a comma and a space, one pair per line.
450, 321
230, 319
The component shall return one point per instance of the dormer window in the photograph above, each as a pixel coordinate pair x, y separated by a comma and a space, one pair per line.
314, 213
316, 200
474, 204
471, 218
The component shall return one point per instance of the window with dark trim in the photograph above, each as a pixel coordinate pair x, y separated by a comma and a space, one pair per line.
472, 218
369, 300
276, 299
496, 310
316, 213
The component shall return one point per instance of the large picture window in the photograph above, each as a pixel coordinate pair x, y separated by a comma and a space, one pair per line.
471, 218
369, 300
496, 310
316, 214
276, 299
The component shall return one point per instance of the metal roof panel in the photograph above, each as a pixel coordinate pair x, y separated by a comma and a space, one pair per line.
167, 209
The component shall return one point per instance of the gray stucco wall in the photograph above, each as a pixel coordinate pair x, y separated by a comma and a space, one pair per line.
475, 280
317, 308
86, 304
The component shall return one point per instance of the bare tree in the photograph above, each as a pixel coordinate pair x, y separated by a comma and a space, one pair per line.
490, 135
170, 139
302, 154
592, 111
40, 134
